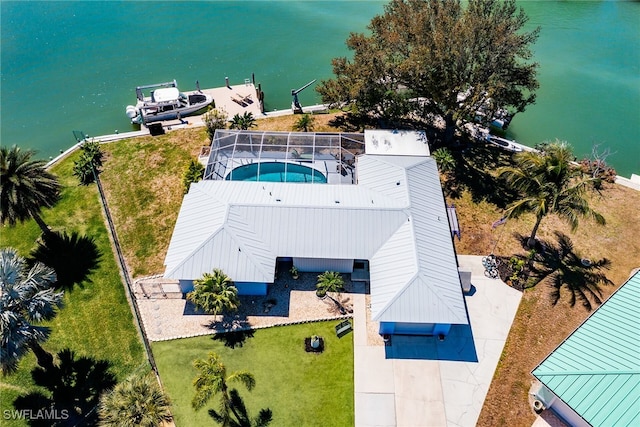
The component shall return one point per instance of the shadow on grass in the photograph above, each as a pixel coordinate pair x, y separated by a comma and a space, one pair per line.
239, 412
474, 164
351, 122
234, 339
562, 267
73, 257
73, 389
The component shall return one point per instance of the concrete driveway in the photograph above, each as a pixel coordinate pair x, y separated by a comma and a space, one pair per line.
421, 381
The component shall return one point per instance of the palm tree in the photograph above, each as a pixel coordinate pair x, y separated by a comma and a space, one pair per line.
214, 293
25, 187
244, 122
330, 281
562, 267
445, 160
548, 184
27, 298
305, 123
213, 379
138, 401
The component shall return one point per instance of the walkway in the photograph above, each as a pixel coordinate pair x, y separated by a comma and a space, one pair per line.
420, 381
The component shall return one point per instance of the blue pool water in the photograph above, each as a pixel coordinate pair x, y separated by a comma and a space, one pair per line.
276, 172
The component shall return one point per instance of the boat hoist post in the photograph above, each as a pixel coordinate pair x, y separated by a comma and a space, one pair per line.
295, 103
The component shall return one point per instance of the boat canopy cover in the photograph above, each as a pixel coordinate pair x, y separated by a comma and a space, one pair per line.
166, 94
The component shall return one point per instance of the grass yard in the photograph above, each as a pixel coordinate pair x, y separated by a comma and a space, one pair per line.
96, 320
302, 389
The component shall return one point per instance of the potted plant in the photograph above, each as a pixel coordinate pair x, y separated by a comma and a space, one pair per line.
294, 272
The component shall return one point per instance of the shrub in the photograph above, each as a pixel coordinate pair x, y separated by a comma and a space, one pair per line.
89, 162
192, 174
215, 119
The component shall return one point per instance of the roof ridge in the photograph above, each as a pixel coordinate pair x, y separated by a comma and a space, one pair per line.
197, 248
241, 243
586, 372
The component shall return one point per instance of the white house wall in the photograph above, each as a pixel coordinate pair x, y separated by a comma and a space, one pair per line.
567, 414
323, 264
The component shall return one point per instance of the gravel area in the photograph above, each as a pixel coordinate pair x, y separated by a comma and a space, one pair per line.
167, 315
373, 337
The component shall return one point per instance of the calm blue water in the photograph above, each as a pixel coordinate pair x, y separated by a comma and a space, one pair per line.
74, 65
276, 172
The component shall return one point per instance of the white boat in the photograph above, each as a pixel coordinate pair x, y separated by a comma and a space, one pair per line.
505, 144
165, 102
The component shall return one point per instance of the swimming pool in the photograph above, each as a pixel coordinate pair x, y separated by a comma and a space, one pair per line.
276, 172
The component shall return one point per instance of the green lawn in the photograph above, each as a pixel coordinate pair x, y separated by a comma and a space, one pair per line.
302, 389
96, 320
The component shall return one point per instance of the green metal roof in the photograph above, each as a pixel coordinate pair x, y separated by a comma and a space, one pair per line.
596, 370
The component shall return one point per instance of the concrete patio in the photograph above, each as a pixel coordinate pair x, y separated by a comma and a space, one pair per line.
421, 381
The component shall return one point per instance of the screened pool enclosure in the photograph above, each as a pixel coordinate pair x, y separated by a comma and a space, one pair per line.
302, 157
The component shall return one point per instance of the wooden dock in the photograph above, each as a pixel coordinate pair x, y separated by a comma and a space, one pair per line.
236, 99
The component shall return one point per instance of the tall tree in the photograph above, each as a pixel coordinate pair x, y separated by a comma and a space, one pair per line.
27, 298
136, 402
434, 59
25, 187
213, 379
214, 293
549, 183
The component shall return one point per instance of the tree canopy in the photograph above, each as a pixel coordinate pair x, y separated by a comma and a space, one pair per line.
25, 187
138, 401
27, 299
549, 183
431, 60
214, 293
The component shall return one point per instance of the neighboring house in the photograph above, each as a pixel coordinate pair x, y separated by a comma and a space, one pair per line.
593, 377
371, 202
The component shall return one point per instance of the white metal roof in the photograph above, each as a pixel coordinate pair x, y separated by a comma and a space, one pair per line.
397, 142
395, 217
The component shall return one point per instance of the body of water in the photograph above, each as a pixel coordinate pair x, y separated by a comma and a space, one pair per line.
74, 65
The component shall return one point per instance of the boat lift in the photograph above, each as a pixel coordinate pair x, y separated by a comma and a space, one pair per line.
295, 103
